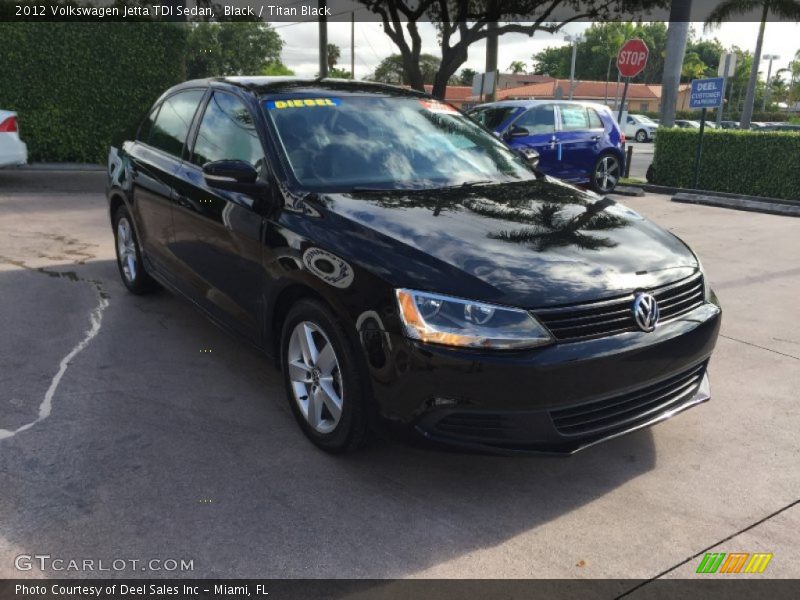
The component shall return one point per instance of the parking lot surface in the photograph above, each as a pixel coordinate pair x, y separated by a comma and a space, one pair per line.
132, 428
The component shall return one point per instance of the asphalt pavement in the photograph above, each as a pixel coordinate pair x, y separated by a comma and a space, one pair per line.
131, 428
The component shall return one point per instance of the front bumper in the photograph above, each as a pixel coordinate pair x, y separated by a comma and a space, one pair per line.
557, 399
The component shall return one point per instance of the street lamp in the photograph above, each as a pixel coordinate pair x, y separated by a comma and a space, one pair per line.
770, 58
575, 40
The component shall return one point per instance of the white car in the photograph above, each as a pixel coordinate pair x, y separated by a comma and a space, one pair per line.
13, 150
640, 128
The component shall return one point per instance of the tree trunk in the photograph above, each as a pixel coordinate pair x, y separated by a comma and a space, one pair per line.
750, 96
452, 59
413, 72
677, 36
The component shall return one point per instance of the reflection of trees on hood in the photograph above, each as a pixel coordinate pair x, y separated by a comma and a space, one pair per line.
551, 227
554, 215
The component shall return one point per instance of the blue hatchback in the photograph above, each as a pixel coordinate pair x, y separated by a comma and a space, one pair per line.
579, 142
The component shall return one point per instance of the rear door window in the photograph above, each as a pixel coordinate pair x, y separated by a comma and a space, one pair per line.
173, 121
227, 132
574, 117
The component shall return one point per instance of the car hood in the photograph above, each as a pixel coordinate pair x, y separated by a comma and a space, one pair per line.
530, 244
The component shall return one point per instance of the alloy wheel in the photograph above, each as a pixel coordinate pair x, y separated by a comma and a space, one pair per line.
126, 249
641, 136
607, 173
315, 377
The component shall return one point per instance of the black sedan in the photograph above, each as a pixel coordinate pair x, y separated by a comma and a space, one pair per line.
403, 266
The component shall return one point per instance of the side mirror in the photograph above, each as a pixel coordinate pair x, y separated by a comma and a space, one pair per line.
516, 132
232, 175
530, 156
241, 178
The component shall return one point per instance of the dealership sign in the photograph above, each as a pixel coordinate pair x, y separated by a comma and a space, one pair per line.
706, 93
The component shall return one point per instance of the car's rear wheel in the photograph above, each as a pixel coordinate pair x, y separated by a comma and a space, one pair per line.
606, 173
641, 135
324, 387
129, 255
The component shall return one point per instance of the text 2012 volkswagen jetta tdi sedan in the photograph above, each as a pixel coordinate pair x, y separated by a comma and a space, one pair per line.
403, 265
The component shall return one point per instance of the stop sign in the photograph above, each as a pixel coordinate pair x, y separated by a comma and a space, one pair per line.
632, 58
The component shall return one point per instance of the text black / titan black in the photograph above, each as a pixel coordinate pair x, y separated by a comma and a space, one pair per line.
402, 265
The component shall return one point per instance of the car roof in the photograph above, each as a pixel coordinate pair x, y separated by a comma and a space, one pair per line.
274, 85
532, 103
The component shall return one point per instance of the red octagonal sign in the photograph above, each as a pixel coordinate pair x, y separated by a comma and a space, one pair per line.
632, 58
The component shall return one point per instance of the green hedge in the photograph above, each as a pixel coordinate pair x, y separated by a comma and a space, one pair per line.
80, 87
740, 162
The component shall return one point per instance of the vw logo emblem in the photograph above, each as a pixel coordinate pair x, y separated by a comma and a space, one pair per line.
645, 311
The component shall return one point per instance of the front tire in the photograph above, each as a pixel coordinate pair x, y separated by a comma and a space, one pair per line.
606, 173
324, 387
129, 255
641, 136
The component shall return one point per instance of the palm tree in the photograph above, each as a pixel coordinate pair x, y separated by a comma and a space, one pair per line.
693, 67
517, 67
677, 35
334, 53
785, 10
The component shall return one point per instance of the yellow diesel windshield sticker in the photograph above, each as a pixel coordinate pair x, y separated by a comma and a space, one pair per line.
303, 103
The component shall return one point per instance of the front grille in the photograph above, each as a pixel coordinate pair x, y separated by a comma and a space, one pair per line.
629, 409
478, 426
608, 317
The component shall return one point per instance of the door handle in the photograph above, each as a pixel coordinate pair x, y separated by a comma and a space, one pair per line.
595, 138
183, 201
552, 142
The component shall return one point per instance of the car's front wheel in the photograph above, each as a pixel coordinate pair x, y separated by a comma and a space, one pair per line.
129, 255
606, 173
641, 135
323, 384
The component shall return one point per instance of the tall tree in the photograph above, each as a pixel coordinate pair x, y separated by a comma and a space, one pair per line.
467, 74
334, 53
392, 69
517, 67
785, 10
461, 23
677, 36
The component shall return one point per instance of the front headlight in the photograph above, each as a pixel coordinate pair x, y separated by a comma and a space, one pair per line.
454, 322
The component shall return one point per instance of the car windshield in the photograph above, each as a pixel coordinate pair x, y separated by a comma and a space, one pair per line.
347, 142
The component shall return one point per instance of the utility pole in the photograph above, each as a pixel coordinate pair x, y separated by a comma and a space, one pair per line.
323, 39
575, 39
353, 45
491, 57
770, 58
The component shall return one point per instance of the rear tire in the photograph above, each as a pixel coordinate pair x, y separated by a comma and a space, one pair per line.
324, 386
606, 173
129, 255
641, 136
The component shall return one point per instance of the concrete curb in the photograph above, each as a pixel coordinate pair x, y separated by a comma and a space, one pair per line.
628, 190
62, 167
761, 205
668, 190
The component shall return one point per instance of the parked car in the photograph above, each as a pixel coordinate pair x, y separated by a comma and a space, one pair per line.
403, 265
782, 127
687, 124
729, 124
13, 150
640, 127
579, 142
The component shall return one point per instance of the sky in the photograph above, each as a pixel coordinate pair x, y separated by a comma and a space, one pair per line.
372, 45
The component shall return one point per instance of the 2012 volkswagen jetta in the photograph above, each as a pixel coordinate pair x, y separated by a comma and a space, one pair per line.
402, 265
